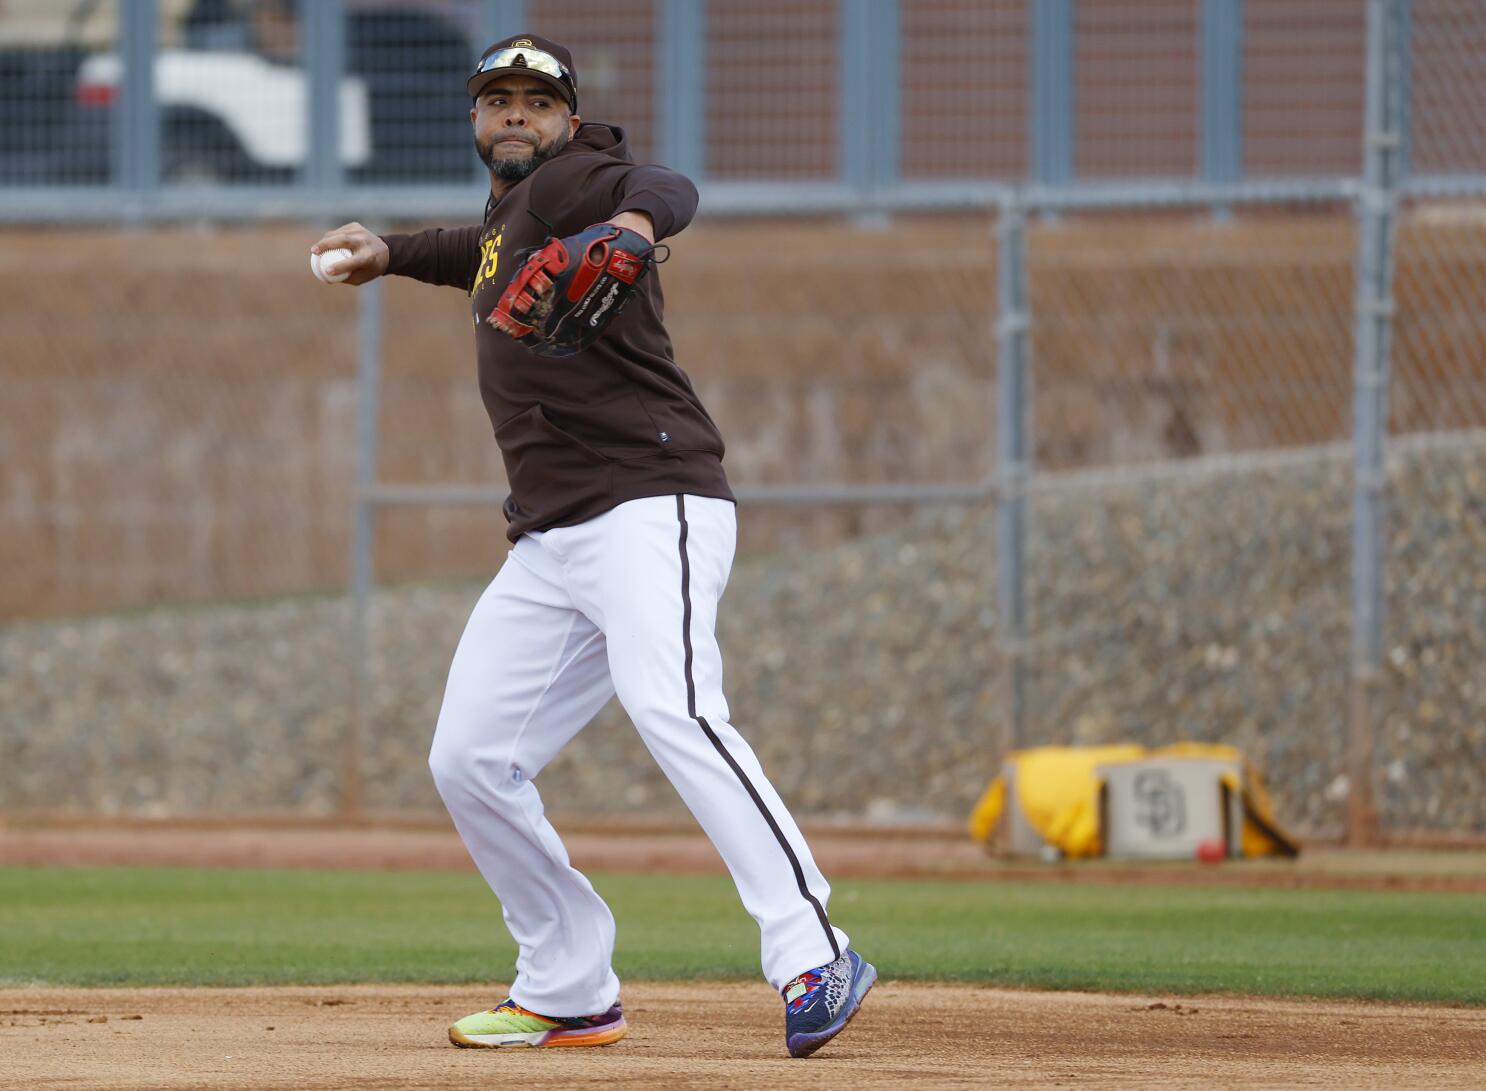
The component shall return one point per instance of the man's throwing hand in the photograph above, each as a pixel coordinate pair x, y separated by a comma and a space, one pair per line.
368, 258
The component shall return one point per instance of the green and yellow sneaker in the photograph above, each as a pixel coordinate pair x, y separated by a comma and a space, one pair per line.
509, 1025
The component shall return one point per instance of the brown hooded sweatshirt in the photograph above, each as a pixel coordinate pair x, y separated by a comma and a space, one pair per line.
615, 422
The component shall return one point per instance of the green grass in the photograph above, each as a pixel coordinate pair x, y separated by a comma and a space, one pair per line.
101, 926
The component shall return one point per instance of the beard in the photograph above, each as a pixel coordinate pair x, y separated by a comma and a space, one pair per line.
515, 169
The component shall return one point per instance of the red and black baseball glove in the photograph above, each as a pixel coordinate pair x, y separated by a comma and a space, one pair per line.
569, 290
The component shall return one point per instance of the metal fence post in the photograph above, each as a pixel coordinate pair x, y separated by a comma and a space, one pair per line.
500, 19
1050, 120
681, 89
1405, 90
363, 537
1374, 317
323, 55
1220, 123
136, 131
1011, 468
871, 73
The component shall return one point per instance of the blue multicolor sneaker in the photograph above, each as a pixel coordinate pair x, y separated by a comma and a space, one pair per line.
820, 1002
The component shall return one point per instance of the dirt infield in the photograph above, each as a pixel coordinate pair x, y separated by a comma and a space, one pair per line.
686, 1035
690, 1035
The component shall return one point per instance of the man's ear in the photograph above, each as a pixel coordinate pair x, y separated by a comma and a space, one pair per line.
573, 122
473, 114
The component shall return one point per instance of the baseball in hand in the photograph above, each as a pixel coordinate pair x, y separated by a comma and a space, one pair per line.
318, 262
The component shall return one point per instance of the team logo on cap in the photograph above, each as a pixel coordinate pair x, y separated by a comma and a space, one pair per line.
521, 41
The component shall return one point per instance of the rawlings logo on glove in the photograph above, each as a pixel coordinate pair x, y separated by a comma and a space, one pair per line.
568, 291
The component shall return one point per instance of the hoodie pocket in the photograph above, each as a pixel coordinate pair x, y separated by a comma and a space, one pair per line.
681, 426
552, 474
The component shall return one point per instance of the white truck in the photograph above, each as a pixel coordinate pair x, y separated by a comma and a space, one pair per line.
228, 116
233, 95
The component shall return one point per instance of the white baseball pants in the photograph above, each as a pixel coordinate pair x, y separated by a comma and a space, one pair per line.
625, 603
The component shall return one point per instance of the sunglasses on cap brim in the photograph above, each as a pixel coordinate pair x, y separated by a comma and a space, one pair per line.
533, 59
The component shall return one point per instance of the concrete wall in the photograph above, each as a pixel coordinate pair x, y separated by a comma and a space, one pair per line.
178, 407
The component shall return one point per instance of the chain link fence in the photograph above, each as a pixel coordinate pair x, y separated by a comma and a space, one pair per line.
964, 92
43, 108
1431, 752
1188, 546
1304, 68
180, 438
175, 426
262, 107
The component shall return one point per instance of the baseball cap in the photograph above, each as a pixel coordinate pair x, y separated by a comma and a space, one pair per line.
528, 55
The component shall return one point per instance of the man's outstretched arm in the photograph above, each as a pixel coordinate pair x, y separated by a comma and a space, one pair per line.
440, 255
662, 196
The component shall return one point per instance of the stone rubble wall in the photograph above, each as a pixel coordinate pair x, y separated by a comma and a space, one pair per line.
1205, 601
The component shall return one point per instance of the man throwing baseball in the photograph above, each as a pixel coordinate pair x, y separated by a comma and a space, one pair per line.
623, 530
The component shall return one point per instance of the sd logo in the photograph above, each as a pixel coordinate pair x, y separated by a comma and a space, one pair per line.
1160, 803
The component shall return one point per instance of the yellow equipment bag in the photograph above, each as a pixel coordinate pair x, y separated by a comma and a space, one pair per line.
1057, 789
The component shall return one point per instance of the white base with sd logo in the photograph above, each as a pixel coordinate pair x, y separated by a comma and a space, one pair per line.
1163, 808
